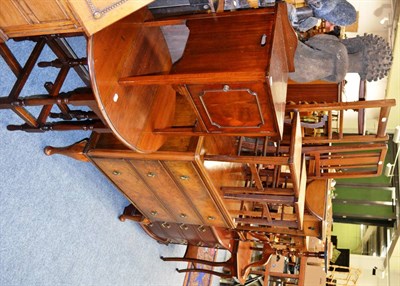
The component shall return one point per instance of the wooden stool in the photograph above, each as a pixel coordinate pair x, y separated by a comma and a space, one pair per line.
66, 59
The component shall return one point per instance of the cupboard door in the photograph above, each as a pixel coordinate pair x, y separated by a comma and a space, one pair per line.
189, 179
124, 176
235, 108
157, 177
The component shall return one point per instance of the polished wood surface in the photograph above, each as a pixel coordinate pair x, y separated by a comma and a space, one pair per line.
316, 195
132, 112
232, 71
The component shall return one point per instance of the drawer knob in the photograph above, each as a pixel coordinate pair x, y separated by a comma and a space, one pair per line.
166, 225
182, 215
183, 226
151, 174
185, 178
201, 228
226, 88
210, 217
154, 213
116, 172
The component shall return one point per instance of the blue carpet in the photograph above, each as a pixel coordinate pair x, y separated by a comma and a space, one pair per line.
59, 217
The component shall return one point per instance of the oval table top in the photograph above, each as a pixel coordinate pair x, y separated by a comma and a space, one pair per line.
316, 195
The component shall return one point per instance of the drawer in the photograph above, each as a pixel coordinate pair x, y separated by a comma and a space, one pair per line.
186, 175
184, 234
173, 198
121, 173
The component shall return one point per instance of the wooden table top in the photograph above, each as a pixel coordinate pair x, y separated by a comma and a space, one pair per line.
316, 197
132, 112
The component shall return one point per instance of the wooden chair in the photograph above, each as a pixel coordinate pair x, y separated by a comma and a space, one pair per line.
239, 265
66, 60
335, 111
346, 160
260, 197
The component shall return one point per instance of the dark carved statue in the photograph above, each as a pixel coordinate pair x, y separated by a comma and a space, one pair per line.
325, 57
337, 12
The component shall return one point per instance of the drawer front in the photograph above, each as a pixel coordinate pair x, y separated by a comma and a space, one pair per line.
188, 178
174, 199
123, 175
184, 234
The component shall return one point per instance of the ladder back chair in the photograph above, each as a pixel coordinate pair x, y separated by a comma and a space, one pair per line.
346, 160
335, 111
258, 200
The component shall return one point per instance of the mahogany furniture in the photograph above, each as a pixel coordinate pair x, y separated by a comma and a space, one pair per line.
260, 193
234, 85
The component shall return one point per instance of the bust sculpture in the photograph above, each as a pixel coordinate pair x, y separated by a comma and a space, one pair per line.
325, 57
337, 12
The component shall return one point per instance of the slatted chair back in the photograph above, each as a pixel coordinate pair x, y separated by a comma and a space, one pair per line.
335, 112
346, 160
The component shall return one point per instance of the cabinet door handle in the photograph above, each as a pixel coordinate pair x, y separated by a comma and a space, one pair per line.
201, 228
263, 41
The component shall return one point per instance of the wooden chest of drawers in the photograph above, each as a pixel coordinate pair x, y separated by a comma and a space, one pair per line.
166, 191
171, 185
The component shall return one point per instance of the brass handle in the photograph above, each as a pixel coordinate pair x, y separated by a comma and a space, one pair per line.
183, 226
151, 174
116, 172
183, 215
184, 177
210, 217
166, 225
153, 213
201, 228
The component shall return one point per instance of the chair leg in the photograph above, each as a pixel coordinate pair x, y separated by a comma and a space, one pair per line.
207, 271
197, 261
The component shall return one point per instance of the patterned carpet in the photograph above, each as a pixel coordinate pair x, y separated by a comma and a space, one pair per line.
199, 278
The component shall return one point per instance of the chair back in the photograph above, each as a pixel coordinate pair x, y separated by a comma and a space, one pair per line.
346, 161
